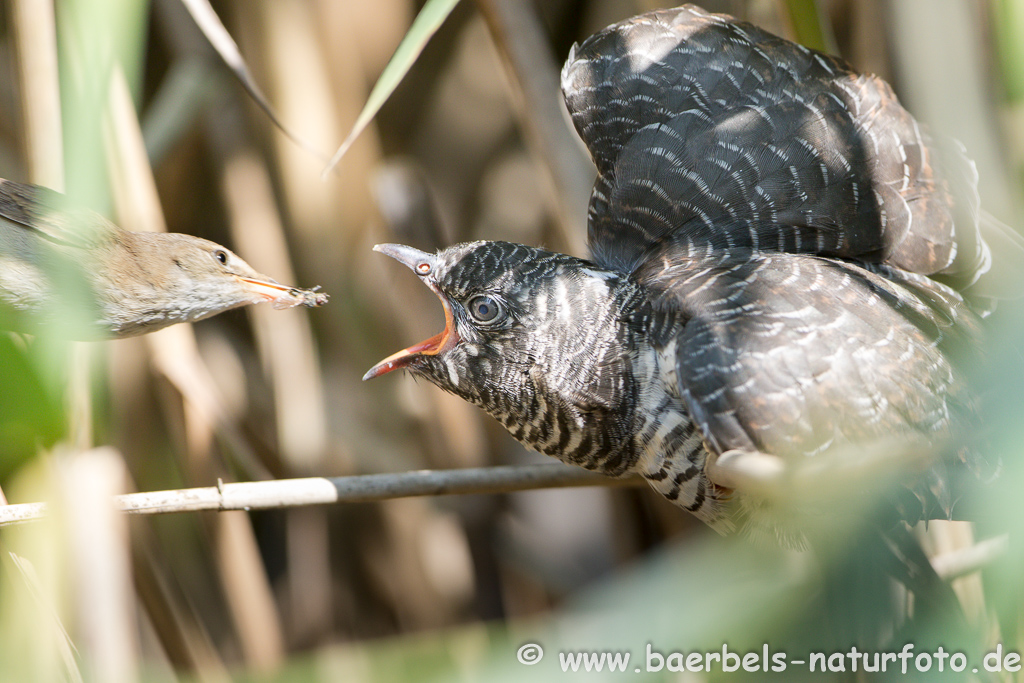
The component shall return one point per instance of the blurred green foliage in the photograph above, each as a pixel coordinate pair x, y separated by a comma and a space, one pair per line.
31, 416
1009, 31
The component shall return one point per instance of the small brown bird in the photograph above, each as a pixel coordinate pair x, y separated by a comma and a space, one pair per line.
52, 254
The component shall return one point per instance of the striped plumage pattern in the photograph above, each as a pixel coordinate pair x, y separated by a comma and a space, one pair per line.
779, 254
716, 134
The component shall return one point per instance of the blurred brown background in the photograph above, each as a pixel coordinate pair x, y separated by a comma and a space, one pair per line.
472, 145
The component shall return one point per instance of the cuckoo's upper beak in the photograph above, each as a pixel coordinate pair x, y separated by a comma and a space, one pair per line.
424, 265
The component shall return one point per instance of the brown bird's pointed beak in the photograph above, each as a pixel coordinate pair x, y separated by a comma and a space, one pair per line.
281, 295
422, 264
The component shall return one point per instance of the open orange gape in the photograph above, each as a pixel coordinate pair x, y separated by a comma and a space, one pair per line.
423, 264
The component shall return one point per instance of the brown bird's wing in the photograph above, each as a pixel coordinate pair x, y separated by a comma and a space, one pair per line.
51, 217
713, 134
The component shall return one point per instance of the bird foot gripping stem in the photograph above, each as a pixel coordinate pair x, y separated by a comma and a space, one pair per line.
838, 471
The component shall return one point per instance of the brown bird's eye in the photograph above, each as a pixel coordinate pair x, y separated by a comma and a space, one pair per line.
221, 256
485, 309
423, 268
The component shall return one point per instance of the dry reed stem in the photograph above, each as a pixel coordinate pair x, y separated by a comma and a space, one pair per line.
284, 493
182, 635
378, 487
284, 338
34, 27
945, 538
964, 561
45, 606
99, 554
936, 49
248, 591
533, 70
34, 30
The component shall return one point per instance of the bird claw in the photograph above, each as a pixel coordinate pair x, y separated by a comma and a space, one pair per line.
746, 471
838, 471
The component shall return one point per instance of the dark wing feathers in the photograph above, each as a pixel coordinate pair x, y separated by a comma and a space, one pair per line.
815, 238
847, 354
648, 69
50, 216
800, 153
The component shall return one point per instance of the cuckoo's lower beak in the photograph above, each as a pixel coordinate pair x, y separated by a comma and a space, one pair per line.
423, 264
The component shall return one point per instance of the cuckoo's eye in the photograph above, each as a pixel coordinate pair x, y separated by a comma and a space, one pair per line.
485, 309
221, 256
